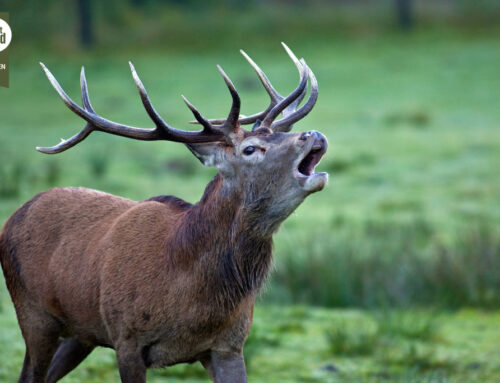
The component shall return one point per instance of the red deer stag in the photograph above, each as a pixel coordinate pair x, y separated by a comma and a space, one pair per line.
161, 281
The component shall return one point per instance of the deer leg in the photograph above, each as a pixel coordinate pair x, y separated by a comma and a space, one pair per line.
26, 371
70, 353
228, 367
131, 365
41, 334
207, 364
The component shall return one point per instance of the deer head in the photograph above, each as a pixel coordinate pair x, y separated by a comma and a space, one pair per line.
271, 169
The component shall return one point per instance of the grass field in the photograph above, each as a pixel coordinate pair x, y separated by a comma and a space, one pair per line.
410, 218
304, 344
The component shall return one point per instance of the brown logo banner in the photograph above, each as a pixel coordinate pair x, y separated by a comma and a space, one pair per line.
5, 38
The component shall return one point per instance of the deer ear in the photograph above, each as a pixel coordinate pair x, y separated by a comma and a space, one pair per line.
211, 154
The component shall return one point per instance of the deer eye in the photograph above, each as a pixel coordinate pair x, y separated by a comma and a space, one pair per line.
249, 150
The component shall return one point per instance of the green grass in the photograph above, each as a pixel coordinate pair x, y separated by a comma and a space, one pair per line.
295, 344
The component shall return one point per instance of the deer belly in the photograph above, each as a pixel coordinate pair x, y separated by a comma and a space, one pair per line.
189, 339
183, 340
177, 350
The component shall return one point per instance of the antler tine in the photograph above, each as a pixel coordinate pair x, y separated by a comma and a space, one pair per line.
145, 99
96, 122
285, 124
296, 61
66, 144
169, 133
85, 93
273, 93
202, 120
275, 96
294, 58
232, 119
276, 110
88, 128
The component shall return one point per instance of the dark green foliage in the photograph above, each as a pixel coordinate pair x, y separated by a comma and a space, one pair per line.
393, 264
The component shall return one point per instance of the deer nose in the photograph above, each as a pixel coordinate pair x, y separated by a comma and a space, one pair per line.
319, 141
306, 135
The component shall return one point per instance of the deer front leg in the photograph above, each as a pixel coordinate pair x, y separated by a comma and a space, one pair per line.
227, 367
131, 364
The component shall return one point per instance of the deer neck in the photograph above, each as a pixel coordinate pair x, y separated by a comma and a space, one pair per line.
234, 252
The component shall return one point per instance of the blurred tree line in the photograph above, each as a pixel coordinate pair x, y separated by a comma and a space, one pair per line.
404, 12
87, 23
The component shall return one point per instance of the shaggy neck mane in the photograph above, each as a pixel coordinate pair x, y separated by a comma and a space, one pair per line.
225, 241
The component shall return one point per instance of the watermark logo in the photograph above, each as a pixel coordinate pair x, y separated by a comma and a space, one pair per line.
5, 39
5, 35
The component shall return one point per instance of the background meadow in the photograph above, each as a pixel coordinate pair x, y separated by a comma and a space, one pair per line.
392, 273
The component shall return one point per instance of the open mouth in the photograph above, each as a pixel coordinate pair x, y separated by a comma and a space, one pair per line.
309, 162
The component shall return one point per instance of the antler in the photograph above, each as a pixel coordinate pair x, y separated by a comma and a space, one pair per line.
163, 131
229, 125
213, 130
277, 103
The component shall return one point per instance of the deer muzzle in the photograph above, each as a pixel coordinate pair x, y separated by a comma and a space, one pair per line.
314, 150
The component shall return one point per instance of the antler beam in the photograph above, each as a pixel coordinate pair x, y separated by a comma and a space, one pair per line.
97, 123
